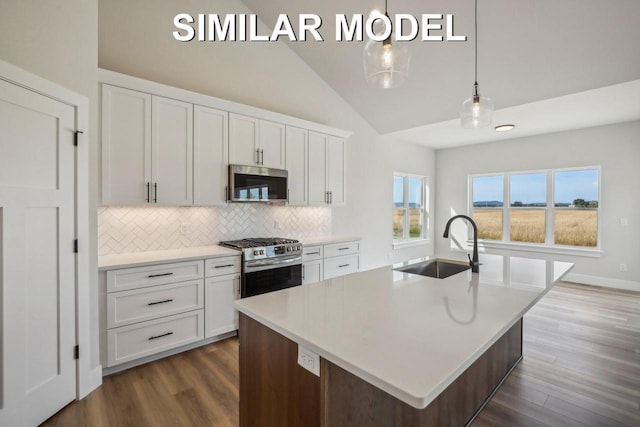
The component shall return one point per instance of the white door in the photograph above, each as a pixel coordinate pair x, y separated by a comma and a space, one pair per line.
210, 156
37, 263
172, 152
272, 145
317, 168
296, 164
243, 140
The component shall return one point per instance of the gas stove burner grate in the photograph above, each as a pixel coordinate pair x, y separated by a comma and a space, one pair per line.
257, 242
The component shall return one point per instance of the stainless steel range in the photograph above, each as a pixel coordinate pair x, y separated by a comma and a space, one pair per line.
269, 264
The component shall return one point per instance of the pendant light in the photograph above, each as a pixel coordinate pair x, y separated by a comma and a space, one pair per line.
386, 64
476, 111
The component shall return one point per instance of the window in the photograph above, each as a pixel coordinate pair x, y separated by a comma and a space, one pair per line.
409, 207
553, 207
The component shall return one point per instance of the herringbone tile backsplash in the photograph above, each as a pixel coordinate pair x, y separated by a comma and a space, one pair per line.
139, 229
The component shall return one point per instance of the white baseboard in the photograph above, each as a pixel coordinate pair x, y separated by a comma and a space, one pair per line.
605, 282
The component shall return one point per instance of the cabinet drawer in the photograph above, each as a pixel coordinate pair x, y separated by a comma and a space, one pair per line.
151, 275
339, 266
310, 253
223, 265
138, 305
339, 249
147, 338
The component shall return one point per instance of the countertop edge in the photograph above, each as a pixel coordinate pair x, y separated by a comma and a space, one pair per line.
141, 259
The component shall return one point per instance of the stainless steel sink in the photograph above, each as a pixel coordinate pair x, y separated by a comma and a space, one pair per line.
437, 268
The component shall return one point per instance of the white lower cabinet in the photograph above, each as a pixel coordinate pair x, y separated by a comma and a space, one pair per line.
219, 316
143, 339
340, 266
166, 306
323, 262
311, 272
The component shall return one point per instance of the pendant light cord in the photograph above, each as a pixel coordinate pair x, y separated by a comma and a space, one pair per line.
475, 40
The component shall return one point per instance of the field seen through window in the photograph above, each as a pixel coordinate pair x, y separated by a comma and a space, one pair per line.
573, 227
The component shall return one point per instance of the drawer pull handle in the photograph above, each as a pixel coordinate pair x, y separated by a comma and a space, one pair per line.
343, 249
344, 265
313, 253
160, 302
159, 275
223, 266
160, 336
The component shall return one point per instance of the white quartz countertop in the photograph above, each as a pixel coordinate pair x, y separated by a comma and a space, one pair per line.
408, 335
137, 259
327, 240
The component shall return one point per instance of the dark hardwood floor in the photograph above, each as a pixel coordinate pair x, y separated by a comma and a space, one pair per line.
581, 367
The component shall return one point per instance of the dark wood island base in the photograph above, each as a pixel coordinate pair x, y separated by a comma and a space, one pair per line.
277, 392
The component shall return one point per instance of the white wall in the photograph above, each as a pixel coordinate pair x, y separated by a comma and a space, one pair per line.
615, 147
135, 38
58, 40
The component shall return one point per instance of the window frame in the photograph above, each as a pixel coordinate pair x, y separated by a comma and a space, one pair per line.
406, 240
549, 246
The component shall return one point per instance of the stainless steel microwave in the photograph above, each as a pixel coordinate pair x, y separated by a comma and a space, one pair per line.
257, 184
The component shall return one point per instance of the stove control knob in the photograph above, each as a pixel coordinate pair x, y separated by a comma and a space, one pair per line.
261, 251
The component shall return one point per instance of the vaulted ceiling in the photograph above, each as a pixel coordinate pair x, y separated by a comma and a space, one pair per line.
529, 51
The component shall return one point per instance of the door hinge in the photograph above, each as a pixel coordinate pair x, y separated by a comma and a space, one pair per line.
75, 246
76, 352
75, 137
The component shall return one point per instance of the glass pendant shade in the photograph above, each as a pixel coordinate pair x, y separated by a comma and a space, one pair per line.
477, 111
386, 64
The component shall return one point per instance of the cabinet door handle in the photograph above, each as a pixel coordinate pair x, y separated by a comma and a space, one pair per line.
155, 192
343, 249
160, 336
148, 192
223, 266
344, 265
159, 275
226, 194
302, 271
262, 156
288, 191
313, 253
326, 197
330, 197
160, 302
257, 156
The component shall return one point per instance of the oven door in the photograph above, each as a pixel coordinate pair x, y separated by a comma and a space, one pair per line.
262, 277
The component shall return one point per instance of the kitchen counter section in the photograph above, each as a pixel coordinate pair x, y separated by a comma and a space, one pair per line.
408, 335
327, 240
138, 259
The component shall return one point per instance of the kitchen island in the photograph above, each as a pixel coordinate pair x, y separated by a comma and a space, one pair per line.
395, 349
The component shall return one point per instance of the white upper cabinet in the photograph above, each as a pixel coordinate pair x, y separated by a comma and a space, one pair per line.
126, 146
210, 156
256, 142
318, 168
168, 147
297, 150
147, 149
335, 170
326, 169
172, 152
244, 140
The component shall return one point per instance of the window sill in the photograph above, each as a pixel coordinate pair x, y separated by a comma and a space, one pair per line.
570, 250
401, 244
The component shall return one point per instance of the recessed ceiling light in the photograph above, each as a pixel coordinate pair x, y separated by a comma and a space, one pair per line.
504, 128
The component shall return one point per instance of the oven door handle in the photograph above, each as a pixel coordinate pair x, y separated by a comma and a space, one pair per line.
292, 261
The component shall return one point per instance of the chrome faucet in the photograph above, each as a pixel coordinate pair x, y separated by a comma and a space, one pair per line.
473, 262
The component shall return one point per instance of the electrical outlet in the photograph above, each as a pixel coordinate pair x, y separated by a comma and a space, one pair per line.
623, 268
309, 360
184, 229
